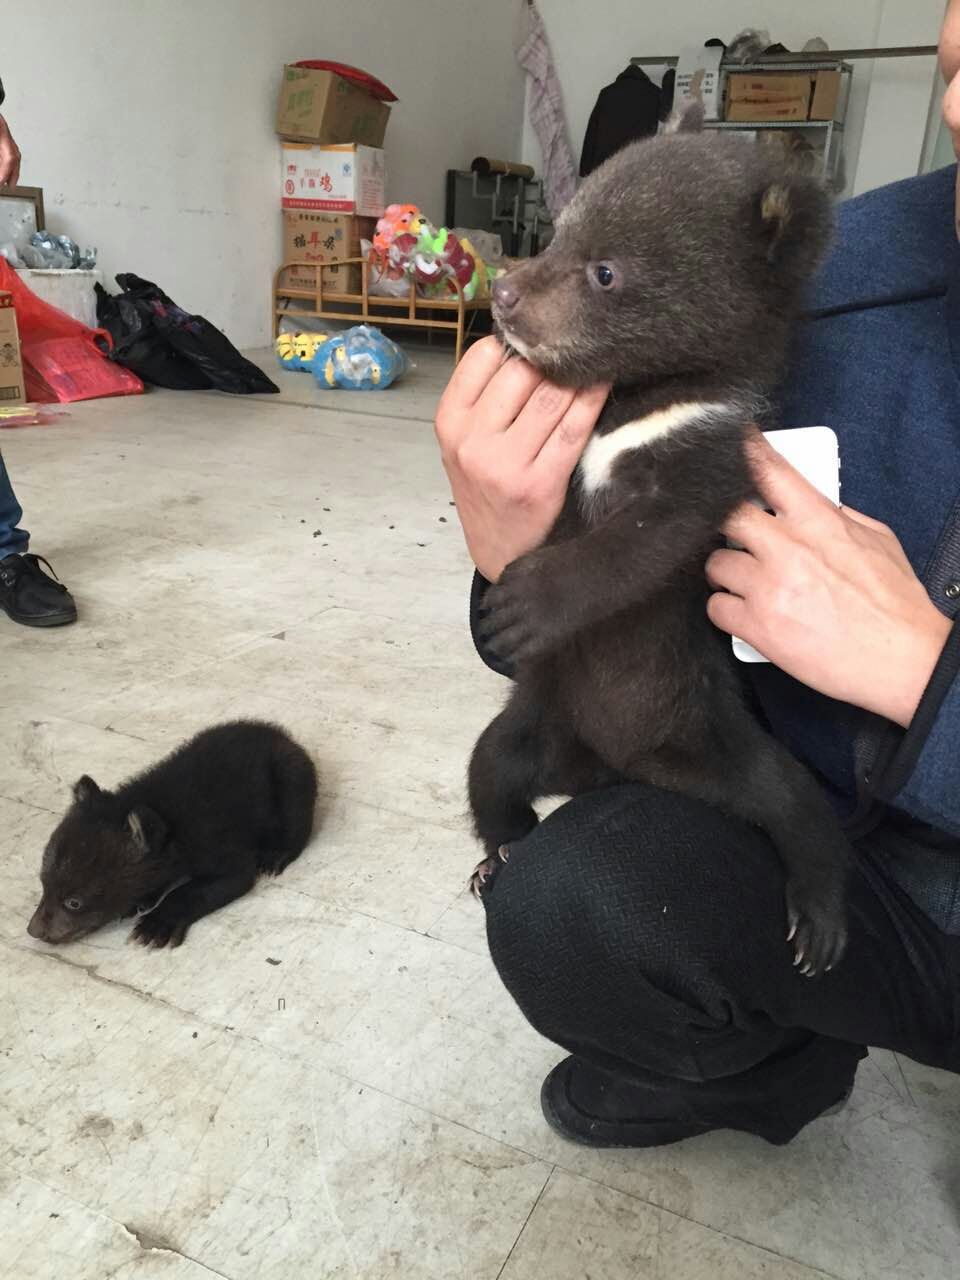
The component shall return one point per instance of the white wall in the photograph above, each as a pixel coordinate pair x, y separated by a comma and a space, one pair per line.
902, 92
590, 54
149, 123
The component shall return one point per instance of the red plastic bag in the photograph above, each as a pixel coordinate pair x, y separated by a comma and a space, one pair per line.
363, 79
62, 360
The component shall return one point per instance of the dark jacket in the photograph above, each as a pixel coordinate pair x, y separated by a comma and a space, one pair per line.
878, 359
625, 110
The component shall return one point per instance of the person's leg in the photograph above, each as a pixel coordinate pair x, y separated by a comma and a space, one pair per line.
646, 933
27, 594
13, 539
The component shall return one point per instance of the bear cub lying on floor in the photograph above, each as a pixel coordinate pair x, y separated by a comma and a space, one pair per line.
180, 840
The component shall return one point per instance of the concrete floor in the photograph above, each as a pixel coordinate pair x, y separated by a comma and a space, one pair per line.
327, 1080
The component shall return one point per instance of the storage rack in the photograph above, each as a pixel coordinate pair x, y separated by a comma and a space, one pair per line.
835, 60
517, 212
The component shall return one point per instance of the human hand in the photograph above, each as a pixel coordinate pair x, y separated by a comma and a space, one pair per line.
510, 441
9, 157
825, 593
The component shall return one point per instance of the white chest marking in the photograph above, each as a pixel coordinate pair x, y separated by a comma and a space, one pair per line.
602, 451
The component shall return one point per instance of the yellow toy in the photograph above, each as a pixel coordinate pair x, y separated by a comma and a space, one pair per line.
296, 350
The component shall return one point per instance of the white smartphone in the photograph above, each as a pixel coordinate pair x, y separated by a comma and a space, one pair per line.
815, 452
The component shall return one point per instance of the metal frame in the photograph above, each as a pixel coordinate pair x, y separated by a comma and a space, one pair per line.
807, 60
34, 195
513, 215
834, 61
833, 128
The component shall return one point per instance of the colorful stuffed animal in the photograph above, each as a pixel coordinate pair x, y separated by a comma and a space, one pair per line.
483, 276
296, 350
361, 359
397, 219
408, 247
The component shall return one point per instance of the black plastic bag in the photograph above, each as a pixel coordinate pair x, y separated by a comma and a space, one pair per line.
166, 345
138, 346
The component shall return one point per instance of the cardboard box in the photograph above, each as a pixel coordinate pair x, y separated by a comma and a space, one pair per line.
767, 112
826, 95
319, 106
775, 95
772, 86
338, 179
11, 367
698, 76
310, 235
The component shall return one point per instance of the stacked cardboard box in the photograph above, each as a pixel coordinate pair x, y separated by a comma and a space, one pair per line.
332, 173
11, 366
770, 96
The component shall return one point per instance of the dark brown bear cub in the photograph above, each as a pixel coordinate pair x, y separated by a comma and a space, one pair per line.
675, 274
180, 840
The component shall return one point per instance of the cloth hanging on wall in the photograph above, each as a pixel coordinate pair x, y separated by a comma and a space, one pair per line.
547, 114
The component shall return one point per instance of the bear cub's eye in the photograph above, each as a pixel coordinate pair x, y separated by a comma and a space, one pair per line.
73, 904
605, 274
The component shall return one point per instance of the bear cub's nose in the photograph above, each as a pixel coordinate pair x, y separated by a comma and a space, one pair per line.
505, 295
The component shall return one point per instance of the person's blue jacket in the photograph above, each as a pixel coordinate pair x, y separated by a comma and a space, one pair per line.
878, 359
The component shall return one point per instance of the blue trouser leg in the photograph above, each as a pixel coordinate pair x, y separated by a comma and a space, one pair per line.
12, 538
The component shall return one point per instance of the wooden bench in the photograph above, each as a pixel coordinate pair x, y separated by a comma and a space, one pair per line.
456, 314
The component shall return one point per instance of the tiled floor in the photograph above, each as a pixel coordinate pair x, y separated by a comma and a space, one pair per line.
327, 1080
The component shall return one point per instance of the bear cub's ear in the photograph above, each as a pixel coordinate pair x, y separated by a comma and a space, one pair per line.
687, 118
791, 217
148, 829
85, 790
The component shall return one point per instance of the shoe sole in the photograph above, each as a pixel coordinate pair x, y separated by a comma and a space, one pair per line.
51, 620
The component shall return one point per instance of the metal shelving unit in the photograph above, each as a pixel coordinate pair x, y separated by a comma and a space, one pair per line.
836, 60
510, 205
831, 131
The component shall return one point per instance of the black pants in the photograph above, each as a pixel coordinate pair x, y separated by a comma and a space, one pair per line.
645, 932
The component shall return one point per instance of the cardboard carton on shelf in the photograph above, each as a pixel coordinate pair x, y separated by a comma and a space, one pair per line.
341, 178
826, 95
322, 107
313, 235
776, 95
745, 112
11, 366
781, 95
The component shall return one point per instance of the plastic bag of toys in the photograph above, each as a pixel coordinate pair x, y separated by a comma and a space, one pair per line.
361, 359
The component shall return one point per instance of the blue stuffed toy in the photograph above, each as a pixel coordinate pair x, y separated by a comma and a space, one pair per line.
361, 359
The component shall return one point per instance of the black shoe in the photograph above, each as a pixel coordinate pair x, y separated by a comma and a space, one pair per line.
32, 597
597, 1109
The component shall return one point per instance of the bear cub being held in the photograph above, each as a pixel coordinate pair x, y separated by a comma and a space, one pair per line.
675, 274
179, 840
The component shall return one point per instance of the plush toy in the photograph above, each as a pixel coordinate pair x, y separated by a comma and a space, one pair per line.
429, 269
461, 265
296, 350
397, 219
408, 247
402, 251
361, 359
483, 276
